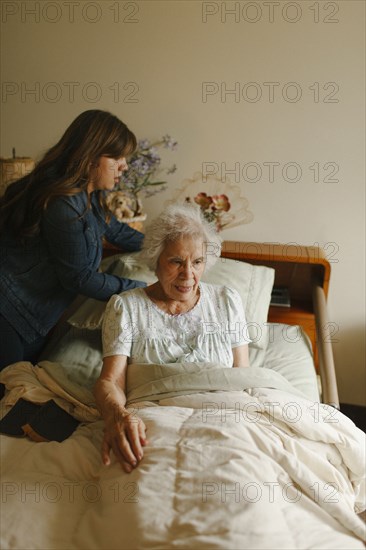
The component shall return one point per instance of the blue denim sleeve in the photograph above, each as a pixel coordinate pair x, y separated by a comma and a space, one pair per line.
75, 249
123, 236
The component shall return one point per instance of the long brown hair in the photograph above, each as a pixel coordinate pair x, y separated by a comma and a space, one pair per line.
64, 170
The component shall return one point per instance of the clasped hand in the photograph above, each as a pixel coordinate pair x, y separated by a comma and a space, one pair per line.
125, 434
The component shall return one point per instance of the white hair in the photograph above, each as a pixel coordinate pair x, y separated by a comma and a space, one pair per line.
175, 222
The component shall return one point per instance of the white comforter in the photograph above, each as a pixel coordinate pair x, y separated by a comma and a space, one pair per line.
223, 469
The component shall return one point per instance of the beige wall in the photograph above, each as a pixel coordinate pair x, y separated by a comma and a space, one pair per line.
169, 49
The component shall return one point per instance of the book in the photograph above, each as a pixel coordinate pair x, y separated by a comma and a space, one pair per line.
280, 296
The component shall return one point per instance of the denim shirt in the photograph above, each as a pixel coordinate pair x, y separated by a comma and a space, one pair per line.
39, 279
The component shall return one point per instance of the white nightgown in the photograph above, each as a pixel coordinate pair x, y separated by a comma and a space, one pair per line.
134, 326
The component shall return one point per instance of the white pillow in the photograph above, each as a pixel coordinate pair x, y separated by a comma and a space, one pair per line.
254, 284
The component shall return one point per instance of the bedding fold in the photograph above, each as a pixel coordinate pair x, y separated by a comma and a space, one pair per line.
145, 383
41, 383
155, 382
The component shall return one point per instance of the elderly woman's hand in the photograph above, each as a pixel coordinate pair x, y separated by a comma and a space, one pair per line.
125, 434
124, 431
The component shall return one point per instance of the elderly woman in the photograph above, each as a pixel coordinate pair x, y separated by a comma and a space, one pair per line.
178, 318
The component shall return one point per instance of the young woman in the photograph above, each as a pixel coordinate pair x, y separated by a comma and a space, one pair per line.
52, 222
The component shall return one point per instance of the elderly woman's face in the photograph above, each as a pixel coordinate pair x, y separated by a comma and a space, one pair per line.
180, 268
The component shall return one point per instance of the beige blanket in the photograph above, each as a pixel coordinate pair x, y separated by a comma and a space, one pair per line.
145, 383
156, 382
223, 469
46, 381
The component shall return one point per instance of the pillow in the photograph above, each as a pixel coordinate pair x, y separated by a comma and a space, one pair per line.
254, 284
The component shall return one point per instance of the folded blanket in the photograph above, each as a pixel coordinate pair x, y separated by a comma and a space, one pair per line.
39, 384
145, 383
156, 382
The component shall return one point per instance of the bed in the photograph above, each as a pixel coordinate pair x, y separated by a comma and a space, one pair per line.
255, 459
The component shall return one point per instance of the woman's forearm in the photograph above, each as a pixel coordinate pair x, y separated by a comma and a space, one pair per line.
124, 433
241, 356
110, 399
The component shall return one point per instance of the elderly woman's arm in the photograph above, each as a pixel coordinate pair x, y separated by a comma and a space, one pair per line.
124, 432
241, 356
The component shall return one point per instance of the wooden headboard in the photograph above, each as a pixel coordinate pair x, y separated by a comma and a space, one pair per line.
305, 272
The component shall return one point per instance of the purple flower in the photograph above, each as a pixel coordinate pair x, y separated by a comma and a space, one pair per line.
144, 168
169, 142
143, 144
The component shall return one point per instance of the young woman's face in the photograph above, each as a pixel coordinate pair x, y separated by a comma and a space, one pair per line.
106, 174
180, 268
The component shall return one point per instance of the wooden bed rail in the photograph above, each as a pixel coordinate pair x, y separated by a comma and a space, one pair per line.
325, 352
